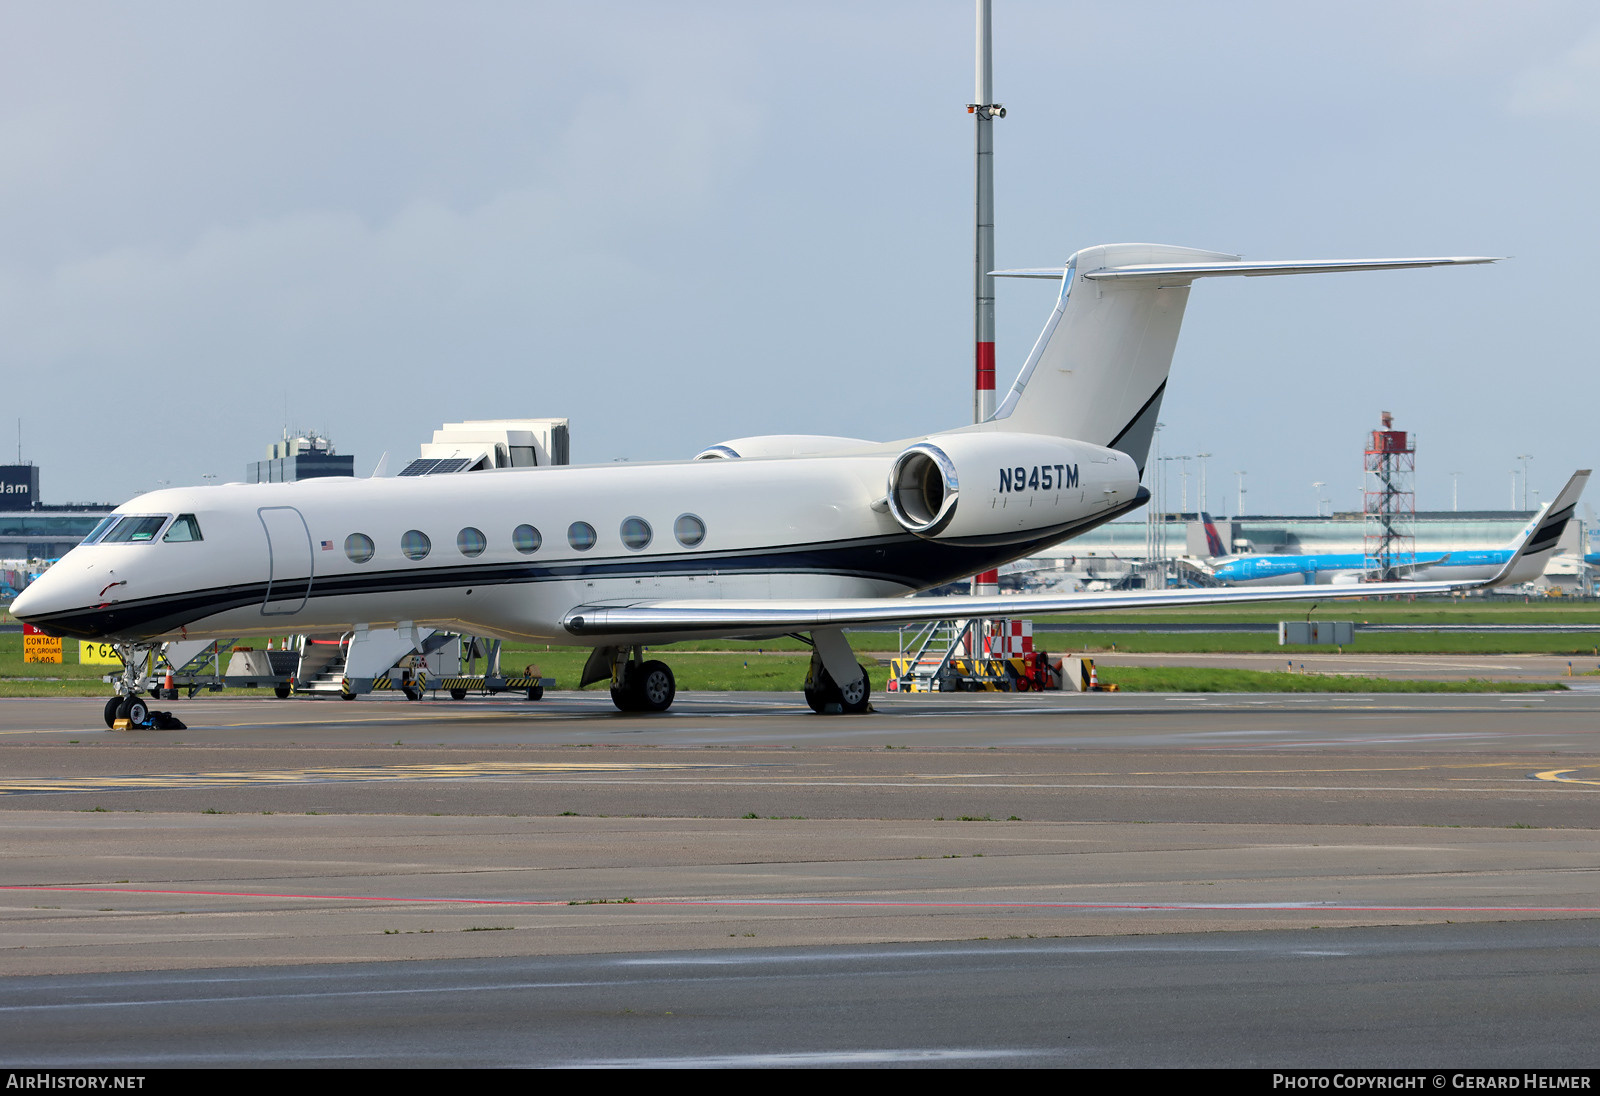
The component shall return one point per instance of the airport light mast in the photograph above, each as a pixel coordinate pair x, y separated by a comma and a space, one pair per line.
984, 111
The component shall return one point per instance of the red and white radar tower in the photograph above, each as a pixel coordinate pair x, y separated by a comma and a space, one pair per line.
1390, 501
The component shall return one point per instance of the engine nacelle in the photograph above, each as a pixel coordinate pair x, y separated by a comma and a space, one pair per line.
995, 487
784, 445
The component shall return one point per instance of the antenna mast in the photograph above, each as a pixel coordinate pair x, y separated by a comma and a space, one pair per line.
984, 111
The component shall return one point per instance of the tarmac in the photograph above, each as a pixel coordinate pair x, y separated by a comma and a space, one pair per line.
305, 832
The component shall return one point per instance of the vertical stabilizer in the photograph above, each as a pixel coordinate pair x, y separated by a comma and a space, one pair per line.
1100, 367
1098, 370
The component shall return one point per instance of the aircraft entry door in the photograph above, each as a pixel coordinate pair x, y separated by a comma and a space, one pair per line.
289, 560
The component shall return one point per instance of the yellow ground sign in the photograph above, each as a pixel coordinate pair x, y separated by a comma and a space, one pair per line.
97, 654
41, 649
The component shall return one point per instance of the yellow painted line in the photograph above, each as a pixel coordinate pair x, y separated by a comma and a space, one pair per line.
1269, 772
342, 774
1560, 777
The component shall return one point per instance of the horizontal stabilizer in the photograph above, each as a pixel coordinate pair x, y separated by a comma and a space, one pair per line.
1186, 272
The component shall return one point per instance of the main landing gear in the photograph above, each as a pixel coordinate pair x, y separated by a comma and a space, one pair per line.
836, 684
640, 686
127, 710
827, 697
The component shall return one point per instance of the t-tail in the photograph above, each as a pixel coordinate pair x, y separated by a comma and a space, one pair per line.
1099, 369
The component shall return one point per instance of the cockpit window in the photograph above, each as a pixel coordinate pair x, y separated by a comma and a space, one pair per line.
135, 529
184, 527
100, 530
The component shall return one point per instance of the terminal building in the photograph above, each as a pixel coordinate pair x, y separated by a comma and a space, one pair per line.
30, 530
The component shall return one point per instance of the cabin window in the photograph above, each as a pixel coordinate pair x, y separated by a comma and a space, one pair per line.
689, 530
636, 533
135, 530
526, 539
415, 544
580, 534
358, 547
471, 542
184, 527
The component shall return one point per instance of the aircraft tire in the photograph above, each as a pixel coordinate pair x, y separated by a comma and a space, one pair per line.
111, 710
134, 710
826, 693
625, 699
656, 687
817, 699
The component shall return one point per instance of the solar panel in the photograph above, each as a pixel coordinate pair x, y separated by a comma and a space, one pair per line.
429, 466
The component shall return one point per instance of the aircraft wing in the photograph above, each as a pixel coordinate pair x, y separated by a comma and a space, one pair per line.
799, 615
733, 617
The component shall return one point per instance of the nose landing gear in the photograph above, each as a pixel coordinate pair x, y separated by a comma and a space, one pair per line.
127, 710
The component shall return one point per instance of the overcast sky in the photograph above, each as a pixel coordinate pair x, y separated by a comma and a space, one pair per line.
680, 223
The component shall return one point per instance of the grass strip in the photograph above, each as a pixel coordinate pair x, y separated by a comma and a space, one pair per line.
1177, 679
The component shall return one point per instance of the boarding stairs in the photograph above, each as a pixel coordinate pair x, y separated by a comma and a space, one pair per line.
950, 655
325, 667
321, 668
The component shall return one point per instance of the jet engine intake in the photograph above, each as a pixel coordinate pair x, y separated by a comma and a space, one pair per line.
992, 486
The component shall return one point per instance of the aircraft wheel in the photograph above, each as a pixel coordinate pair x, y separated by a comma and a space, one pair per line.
817, 699
134, 710
458, 694
856, 698
822, 694
111, 710
656, 687
626, 699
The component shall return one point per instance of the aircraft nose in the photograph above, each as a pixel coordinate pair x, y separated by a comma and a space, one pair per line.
51, 593
26, 604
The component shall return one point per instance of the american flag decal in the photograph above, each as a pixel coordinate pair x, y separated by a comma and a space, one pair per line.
327, 546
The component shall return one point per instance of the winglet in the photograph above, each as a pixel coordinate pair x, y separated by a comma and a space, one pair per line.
1545, 529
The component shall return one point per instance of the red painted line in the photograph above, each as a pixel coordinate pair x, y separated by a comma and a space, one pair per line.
803, 902
312, 897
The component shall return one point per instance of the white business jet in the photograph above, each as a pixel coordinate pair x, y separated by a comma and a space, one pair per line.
757, 537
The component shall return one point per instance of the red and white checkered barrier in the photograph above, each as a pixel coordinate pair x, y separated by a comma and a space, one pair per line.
1009, 639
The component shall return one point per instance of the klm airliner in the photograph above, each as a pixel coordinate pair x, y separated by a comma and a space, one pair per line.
1352, 567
